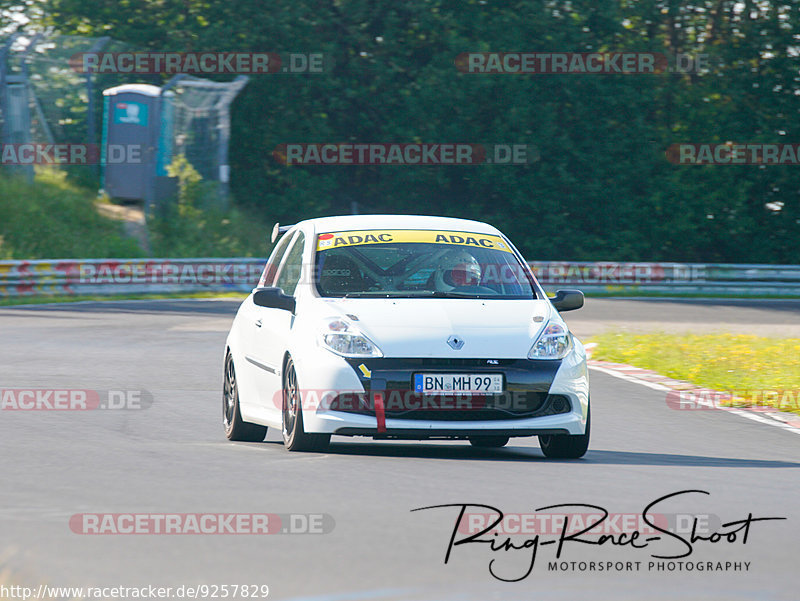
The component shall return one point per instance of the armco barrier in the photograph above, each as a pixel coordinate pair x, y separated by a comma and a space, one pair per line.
127, 276
669, 279
137, 276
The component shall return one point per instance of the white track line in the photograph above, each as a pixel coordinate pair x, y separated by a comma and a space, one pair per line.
740, 412
628, 378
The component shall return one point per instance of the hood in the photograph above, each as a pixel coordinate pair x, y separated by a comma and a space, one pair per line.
498, 329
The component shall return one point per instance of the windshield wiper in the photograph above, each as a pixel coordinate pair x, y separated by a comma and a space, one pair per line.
366, 293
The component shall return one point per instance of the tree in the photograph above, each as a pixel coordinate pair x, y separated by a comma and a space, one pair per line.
602, 188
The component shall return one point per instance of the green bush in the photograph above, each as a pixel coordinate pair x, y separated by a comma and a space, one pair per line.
185, 231
193, 225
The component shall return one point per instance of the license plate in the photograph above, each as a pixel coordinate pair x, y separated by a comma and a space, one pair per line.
458, 383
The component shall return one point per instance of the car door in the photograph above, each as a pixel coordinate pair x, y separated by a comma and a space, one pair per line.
271, 337
249, 369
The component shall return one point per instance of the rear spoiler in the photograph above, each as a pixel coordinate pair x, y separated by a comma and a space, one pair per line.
278, 230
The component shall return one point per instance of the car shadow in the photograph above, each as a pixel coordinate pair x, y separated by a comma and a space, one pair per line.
464, 451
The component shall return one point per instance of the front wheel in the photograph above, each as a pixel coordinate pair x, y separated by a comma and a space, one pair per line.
294, 437
235, 427
567, 446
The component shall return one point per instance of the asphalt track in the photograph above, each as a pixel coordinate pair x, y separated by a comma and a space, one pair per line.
173, 458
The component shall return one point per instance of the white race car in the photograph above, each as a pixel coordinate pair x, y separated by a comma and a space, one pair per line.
404, 327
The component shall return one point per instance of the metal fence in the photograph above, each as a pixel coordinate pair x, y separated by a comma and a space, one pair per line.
141, 276
48, 95
43, 97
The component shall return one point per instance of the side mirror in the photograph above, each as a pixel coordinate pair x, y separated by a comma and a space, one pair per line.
274, 298
567, 300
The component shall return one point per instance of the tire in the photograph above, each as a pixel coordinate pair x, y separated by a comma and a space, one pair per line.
235, 427
294, 437
488, 442
567, 446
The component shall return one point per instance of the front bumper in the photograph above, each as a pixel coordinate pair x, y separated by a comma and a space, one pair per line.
542, 397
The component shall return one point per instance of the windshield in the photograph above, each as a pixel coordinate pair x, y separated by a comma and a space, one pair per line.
419, 263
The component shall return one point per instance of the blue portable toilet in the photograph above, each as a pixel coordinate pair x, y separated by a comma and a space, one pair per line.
137, 143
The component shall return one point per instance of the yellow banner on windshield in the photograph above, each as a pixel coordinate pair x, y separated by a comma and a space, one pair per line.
361, 237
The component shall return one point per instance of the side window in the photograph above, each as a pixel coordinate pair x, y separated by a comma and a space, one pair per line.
274, 262
289, 276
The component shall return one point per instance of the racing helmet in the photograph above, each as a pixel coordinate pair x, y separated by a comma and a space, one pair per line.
457, 268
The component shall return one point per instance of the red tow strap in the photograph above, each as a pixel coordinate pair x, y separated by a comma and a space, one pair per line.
380, 411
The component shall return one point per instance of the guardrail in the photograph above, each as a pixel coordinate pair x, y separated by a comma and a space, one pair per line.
717, 279
90, 277
141, 276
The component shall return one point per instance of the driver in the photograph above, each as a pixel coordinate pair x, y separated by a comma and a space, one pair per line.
457, 268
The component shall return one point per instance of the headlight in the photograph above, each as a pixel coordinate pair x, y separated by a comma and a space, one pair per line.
342, 338
554, 342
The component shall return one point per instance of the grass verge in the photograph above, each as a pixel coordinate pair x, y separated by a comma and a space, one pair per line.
766, 370
53, 219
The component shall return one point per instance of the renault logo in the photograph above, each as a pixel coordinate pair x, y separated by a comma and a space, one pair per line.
455, 342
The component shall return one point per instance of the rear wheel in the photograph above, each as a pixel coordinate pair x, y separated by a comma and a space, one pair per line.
567, 446
235, 427
294, 437
488, 442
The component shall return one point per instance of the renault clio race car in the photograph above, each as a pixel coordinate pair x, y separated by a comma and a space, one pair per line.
404, 327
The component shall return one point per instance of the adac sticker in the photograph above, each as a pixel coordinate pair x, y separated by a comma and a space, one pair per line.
361, 237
